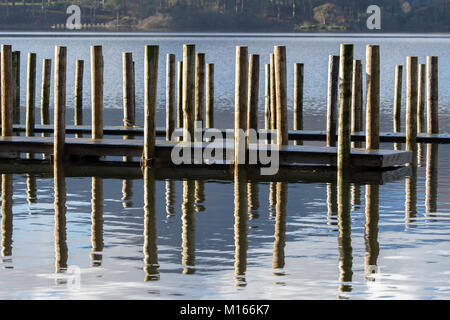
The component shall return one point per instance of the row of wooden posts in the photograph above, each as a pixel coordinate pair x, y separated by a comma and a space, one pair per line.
345, 79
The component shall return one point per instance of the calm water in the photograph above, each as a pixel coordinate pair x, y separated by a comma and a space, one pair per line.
215, 239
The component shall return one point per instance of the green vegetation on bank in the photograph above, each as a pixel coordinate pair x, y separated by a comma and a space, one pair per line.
231, 15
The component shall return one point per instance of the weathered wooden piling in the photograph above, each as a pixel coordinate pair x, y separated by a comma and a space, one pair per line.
411, 106
253, 92
128, 88
151, 82
180, 95
60, 103
45, 91
421, 100
78, 115
7, 91
210, 95
199, 88
398, 102
188, 91
16, 85
298, 99
241, 100
170, 95
273, 94
280, 79
31, 94
345, 105
357, 99
333, 74
373, 97
433, 95
97, 91
267, 97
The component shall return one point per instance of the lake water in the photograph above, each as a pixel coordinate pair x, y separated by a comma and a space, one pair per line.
225, 239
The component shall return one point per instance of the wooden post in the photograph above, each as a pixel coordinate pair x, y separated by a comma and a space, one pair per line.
280, 79
151, 82
357, 112
210, 95
16, 85
180, 95
188, 91
411, 106
199, 87
97, 91
267, 97
398, 102
421, 100
45, 91
78, 116
170, 96
298, 99
333, 73
241, 100
433, 96
273, 96
373, 97
128, 103
7, 91
31, 94
345, 105
60, 103
253, 92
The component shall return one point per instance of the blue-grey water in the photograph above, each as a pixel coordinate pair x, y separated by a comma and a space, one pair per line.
288, 244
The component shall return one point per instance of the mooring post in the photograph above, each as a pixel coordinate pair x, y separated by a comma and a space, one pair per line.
188, 91
345, 105
333, 73
45, 91
421, 100
398, 102
16, 86
170, 95
60, 104
180, 95
78, 115
373, 97
253, 92
267, 97
31, 94
128, 103
199, 88
241, 100
433, 95
151, 82
411, 106
280, 79
357, 112
7, 92
273, 94
210, 95
97, 91
298, 99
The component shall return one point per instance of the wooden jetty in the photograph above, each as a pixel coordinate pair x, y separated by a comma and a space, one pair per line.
344, 115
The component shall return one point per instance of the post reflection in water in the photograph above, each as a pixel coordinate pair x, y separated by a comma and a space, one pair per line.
170, 197
280, 229
420, 154
253, 200
240, 226
371, 231
31, 189
332, 203
344, 237
356, 196
411, 197
199, 196
188, 229
127, 193
431, 183
7, 216
150, 235
272, 198
97, 222
61, 251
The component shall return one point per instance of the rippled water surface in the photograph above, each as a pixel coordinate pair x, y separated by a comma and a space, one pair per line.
229, 239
